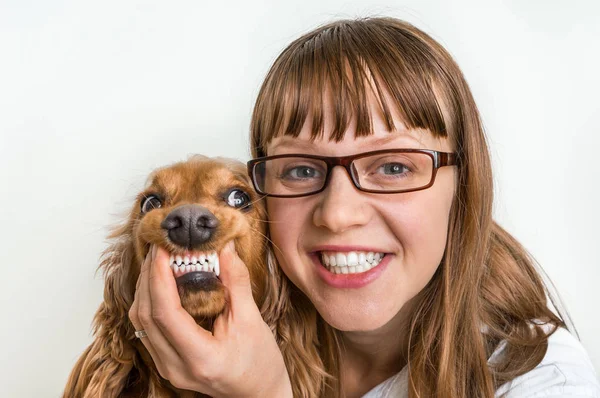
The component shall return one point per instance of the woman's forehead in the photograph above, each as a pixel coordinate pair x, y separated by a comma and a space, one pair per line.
305, 142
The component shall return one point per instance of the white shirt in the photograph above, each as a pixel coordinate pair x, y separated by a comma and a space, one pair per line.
565, 371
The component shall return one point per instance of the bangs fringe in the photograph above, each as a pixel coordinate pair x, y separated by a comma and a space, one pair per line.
343, 67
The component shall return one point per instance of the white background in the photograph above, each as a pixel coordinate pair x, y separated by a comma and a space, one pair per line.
93, 96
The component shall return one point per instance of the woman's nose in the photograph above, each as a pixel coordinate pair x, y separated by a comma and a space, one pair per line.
342, 206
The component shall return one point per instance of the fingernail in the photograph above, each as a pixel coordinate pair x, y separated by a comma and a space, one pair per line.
230, 246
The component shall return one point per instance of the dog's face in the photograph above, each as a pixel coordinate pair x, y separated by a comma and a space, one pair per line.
192, 209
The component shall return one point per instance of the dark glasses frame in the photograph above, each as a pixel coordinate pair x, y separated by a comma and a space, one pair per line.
440, 159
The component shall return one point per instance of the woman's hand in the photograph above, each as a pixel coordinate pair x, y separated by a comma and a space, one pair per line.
240, 358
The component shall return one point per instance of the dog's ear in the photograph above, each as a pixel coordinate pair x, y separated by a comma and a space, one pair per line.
103, 368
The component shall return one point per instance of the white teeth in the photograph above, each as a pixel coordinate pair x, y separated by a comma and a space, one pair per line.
207, 262
362, 258
351, 262
352, 259
340, 259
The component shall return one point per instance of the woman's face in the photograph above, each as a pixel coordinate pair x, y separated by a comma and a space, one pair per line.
410, 227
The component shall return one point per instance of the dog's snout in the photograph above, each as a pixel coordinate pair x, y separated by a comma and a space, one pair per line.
190, 225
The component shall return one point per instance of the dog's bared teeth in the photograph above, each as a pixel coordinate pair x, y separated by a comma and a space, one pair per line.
195, 262
217, 268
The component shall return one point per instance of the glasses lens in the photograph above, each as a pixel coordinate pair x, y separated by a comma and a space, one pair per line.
290, 175
394, 171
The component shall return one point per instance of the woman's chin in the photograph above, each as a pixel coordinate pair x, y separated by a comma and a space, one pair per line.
350, 320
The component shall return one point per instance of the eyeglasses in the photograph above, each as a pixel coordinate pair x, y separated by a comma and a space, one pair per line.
383, 171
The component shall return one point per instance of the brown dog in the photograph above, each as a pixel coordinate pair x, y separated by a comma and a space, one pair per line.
191, 209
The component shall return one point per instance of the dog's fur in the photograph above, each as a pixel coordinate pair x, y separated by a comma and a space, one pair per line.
117, 364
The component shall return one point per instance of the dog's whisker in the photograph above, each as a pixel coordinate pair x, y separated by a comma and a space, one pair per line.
265, 221
268, 239
260, 198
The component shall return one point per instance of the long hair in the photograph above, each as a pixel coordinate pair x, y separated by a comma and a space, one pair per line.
487, 288
108, 366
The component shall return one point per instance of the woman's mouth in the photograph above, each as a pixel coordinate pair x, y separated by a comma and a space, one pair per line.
350, 262
347, 270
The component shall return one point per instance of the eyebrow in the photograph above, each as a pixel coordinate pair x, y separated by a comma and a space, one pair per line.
290, 142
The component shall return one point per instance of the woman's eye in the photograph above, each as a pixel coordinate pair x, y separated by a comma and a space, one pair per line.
238, 199
151, 202
301, 173
394, 168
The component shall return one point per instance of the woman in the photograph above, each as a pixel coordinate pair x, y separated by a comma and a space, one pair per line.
392, 278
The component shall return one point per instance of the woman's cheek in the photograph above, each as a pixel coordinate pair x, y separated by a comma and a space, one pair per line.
282, 228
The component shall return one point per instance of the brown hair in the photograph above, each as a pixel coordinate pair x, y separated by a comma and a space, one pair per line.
487, 288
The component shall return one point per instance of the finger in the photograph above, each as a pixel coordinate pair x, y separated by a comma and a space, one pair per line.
174, 322
236, 278
134, 312
157, 345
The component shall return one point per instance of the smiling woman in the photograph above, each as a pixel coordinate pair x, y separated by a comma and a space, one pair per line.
387, 275
450, 301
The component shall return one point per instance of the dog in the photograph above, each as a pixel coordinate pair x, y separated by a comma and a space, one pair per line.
191, 209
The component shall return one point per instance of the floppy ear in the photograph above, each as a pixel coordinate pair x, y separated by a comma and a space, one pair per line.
103, 368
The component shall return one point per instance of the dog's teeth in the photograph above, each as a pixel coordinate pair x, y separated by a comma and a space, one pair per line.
194, 259
211, 256
202, 258
186, 260
187, 268
178, 259
217, 269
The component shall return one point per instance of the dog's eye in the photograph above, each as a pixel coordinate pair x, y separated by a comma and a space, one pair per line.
238, 199
150, 202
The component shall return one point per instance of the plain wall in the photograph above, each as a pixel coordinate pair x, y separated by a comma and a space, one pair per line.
94, 95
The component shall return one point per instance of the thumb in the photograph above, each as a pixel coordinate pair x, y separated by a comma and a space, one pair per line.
236, 278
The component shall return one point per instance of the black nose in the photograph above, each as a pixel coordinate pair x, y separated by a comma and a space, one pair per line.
190, 225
